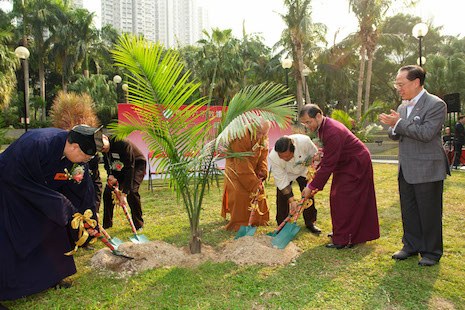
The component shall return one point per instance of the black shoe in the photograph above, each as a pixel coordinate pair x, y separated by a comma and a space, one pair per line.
425, 261
330, 235
401, 255
337, 246
2, 307
62, 284
314, 230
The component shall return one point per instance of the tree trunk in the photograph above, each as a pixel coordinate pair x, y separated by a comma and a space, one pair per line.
195, 244
42, 88
368, 81
298, 70
360, 82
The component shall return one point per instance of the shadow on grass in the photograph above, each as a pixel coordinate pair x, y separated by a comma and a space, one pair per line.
400, 282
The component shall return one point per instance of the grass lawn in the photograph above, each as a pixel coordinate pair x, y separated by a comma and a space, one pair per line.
364, 277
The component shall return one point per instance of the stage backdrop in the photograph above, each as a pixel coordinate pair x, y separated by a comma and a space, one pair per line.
125, 109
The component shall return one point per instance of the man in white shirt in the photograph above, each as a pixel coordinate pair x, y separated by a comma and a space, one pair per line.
289, 160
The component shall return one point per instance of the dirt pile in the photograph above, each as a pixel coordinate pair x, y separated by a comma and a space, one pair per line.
243, 251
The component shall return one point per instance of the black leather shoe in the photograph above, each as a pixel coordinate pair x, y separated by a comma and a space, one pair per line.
336, 246
62, 284
401, 255
425, 261
313, 229
2, 307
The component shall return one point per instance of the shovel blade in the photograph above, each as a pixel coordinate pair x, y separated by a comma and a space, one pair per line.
138, 239
115, 242
272, 233
282, 239
118, 253
245, 231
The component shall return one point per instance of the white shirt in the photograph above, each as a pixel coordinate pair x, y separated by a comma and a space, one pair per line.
284, 172
409, 109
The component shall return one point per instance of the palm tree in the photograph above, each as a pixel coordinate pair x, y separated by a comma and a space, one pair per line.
40, 16
158, 88
219, 64
301, 37
8, 64
369, 14
71, 39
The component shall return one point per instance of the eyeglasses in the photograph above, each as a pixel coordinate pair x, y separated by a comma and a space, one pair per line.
401, 85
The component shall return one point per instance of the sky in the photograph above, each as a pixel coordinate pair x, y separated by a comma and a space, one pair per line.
261, 16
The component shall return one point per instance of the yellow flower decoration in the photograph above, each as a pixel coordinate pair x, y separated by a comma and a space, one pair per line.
78, 223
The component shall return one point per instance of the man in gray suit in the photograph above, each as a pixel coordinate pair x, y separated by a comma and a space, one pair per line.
423, 165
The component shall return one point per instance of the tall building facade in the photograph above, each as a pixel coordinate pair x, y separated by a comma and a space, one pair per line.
170, 22
77, 3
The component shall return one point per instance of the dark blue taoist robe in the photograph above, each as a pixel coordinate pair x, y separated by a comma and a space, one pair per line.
36, 206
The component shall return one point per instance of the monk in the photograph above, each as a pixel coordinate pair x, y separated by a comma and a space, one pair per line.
354, 213
243, 179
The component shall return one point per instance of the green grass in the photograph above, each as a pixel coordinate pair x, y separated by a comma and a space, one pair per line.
364, 277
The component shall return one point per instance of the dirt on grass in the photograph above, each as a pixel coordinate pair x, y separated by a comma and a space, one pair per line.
247, 250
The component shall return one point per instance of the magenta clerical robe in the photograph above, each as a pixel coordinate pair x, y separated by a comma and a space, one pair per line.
354, 213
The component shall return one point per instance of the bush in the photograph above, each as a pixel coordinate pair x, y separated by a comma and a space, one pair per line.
70, 109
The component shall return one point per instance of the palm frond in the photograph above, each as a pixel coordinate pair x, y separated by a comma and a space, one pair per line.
267, 101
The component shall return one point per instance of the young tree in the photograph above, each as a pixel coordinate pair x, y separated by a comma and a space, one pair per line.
174, 127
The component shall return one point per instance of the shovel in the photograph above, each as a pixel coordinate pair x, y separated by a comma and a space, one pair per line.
134, 238
290, 230
98, 235
115, 242
248, 230
275, 232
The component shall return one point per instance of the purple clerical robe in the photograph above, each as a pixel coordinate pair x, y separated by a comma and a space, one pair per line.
354, 213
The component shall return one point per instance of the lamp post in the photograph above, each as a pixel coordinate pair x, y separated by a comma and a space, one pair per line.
125, 89
305, 73
419, 31
286, 63
23, 54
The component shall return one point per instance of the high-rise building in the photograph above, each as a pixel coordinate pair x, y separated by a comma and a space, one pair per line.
77, 3
170, 22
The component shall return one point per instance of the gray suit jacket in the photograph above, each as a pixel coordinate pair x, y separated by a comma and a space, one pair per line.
421, 155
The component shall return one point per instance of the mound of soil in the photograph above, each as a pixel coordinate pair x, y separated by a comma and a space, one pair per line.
247, 250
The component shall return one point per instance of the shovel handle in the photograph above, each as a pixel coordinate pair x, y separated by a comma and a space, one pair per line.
291, 214
252, 214
298, 211
125, 209
94, 233
104, 232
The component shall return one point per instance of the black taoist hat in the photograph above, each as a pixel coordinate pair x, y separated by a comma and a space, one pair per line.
88, 138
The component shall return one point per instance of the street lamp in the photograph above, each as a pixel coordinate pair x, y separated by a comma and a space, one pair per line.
286, 63
125, 89
23, 54
117, 79
419, 31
